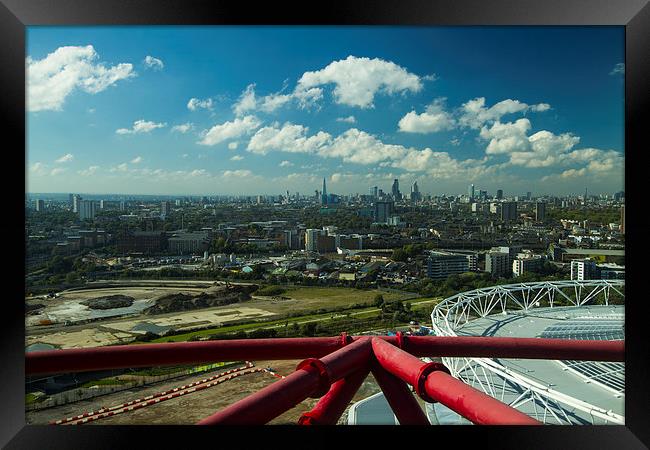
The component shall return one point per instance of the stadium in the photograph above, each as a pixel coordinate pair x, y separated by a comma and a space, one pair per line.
550, 391
527, 354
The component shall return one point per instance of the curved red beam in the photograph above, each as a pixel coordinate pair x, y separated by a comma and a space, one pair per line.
178, 353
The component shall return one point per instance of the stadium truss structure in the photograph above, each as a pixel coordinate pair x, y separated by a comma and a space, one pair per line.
333, 368
493, 377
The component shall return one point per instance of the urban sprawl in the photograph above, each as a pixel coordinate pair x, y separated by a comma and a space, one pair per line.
382, 238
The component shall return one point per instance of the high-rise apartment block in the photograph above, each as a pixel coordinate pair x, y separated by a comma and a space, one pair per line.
76, 198
164, 209
508, 211
383, 210
540, 211
584, 269
498, 264
87, 209
311, 239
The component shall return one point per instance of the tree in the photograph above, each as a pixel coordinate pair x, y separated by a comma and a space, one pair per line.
399, 255
378, 301
71, 277
308, 329
59, 265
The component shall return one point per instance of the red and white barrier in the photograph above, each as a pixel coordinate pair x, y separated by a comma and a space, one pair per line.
157, 397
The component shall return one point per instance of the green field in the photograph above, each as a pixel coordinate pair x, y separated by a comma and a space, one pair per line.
306, 298
361, 313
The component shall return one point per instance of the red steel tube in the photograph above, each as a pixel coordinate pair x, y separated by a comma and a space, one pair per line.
147, 355
502, 347
399, 397
330, 407
273, 400
442, 387
268, 403
471, 403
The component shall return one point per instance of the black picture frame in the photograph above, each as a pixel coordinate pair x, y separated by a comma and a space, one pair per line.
15, 15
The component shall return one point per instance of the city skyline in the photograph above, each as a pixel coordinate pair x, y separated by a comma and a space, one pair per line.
157, 111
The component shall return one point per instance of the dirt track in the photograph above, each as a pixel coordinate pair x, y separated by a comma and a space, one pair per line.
191, 408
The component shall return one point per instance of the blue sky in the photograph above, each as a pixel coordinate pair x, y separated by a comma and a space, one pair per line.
255, 110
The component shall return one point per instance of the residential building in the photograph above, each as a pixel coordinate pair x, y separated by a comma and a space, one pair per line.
311, 239
325, 244
383, 210
87, 209
584, 269
443, 264
611, 271
508, 211
498, 264
76, 198
540, 211
164, 209
324, 197
527, 264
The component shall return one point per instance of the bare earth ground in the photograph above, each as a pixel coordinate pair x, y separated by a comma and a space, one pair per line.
116, 330
189, 409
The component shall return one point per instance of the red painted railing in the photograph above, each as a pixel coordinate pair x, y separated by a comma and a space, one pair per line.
334, 368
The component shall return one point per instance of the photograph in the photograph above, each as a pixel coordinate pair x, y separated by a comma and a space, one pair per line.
321, 225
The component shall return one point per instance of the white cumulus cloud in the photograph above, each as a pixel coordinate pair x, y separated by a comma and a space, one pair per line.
349, 119
183, 128
289, 138
194, 103
237, 173
434, 119
358, 80
52, 79
153, 63
89, 171
141, 126
230, 130
475, 114
38, 168
65, 158
249, 102
507, 137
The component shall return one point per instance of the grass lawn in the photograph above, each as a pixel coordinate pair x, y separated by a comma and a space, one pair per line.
337, 296
308, 298
371, 311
